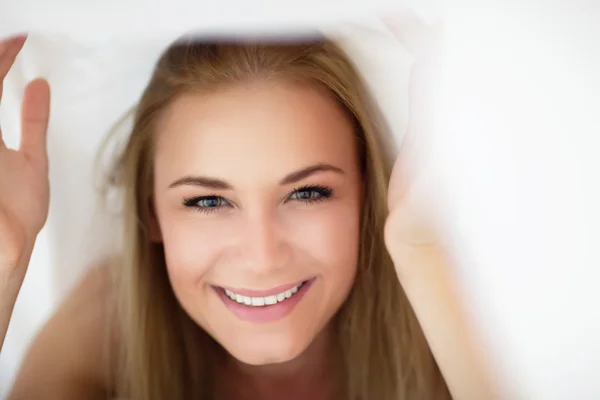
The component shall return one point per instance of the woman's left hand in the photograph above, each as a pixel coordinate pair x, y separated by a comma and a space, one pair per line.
422, 265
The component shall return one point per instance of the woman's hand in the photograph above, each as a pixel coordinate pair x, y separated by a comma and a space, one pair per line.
24, 186
422, 265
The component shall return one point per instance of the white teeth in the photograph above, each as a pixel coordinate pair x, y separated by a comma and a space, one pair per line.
258, 301
263, 301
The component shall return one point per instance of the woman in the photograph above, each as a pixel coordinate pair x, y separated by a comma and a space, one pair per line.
255, 263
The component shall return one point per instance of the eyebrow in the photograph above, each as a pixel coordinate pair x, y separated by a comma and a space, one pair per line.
218, 184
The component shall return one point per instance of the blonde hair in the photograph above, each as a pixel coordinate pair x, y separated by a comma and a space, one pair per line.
164, 354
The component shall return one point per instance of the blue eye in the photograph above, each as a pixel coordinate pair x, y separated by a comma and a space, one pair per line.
310, 194
305, 194
206, 203
210, 202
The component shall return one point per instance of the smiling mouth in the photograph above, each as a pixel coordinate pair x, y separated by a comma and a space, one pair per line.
267, 300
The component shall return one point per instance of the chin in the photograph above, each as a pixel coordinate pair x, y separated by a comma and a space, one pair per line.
266, 350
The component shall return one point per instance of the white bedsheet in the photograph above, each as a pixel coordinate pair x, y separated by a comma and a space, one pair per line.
520, 154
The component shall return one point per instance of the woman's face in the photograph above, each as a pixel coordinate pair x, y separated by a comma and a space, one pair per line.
257, 198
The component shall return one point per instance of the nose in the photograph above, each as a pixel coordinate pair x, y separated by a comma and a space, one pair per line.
263, 248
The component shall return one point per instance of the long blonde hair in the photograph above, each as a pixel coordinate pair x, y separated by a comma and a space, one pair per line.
164, 354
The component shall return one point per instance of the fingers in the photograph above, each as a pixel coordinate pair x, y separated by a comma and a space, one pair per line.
416, 146
9, 48
35, 114
416, 35
408, 28
423, 41
36, 104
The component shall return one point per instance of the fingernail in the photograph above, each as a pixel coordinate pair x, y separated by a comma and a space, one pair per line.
19, 40
15, 40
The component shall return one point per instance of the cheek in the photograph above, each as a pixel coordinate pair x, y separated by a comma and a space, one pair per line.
331, 237
192, 246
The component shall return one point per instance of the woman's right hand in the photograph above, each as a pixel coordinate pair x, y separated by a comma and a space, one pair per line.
24, 185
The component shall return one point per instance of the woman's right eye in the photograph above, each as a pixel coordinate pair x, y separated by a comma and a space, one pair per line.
206, 203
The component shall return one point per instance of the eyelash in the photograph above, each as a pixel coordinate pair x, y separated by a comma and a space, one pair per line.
323, 193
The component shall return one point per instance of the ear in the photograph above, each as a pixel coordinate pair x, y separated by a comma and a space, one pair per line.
154, 231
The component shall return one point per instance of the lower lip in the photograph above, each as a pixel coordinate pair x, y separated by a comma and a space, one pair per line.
264, 314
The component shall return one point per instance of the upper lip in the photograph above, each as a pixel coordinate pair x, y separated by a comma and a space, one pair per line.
262, 293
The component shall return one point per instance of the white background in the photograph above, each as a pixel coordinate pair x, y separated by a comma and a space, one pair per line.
519, 150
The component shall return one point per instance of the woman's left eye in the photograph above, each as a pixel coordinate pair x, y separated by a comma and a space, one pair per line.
311, 193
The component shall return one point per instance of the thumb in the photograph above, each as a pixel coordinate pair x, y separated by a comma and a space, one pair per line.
35, 113
413, 221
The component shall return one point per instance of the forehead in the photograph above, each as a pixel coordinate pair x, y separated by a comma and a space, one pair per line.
258, 128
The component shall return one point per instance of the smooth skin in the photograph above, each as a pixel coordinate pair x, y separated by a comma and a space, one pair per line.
65, 359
